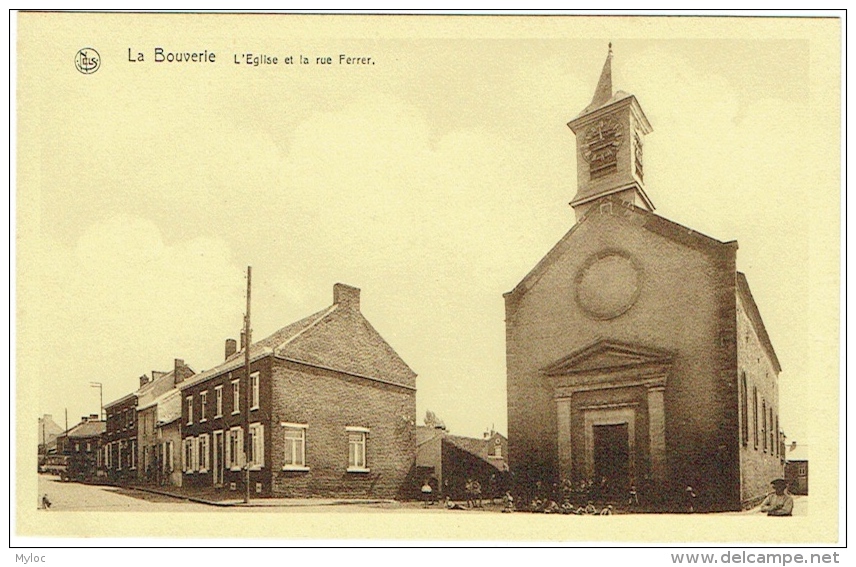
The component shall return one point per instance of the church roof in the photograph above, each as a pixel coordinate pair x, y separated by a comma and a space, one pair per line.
755, 316
649, 221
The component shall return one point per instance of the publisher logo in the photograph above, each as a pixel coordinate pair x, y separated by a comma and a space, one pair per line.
87, 61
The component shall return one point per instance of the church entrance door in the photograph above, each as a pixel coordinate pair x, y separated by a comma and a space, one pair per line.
611, 457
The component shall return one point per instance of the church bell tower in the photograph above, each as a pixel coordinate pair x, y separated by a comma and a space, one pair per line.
610, 133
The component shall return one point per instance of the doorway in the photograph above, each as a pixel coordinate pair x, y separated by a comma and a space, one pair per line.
218, 458
611, 457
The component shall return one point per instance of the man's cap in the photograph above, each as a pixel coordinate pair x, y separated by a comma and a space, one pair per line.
776, 481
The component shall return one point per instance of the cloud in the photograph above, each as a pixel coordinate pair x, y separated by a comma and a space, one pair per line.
120, 302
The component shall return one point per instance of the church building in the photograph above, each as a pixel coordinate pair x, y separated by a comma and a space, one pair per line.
636, 355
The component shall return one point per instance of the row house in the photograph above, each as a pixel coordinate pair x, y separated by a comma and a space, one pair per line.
327, 410
158, 416
82, 445
127, 457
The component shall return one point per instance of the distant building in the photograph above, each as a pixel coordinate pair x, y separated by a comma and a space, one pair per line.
82, 445
48, 432
636, 353
449, 461
796, 468
327, 410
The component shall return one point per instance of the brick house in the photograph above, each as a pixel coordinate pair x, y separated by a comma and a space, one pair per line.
82, 445
160, 437
120, 438
331, 411
127, 457
796, 468
635, 351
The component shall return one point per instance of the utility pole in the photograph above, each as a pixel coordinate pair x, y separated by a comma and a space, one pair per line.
248, 340
101, 397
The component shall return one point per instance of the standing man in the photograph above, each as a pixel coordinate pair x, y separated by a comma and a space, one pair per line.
779, 503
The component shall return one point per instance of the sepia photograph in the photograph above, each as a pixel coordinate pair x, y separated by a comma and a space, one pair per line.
496, 278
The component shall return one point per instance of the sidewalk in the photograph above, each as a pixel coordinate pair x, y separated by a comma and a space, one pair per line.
227, 499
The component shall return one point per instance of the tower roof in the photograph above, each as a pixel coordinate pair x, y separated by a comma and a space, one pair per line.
603, 92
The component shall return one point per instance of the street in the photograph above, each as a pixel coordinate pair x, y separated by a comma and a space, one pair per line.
73, 496
80, 497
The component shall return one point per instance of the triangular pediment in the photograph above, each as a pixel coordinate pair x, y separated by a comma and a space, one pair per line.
605, 356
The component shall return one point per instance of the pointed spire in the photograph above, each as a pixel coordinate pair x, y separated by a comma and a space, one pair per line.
603, 92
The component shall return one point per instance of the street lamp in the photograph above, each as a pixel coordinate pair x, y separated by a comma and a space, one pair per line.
101, 397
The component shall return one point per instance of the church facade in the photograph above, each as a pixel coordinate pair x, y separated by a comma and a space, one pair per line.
636, 355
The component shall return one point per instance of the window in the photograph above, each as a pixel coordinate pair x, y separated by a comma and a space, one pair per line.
218, 396
203, 402
119, 455
88, 447
772, 431
254, 390
131, 413
77, 447
132, 454
764, 423
203, 453
357, 449
256, 449
295, 446
497, 449
755, 415
744, 410
236, 396
235, 448
189, 402
187, 456
777, 433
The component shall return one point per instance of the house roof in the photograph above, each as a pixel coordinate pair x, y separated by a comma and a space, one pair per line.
120, 400
337, 338
477, 447
640, 217
48, 428
796, 453
755, 316
169, 407
87, 429
424, 434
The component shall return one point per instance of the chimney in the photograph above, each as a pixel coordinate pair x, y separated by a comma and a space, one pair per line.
144, 380
84, 418
793, 445
231, 347
346, 296
177, 369
157, 374
243, 340
93, 417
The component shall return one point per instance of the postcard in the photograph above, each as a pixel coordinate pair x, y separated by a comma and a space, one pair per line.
494, 278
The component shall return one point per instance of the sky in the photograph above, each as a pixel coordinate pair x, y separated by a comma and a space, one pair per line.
433, 180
